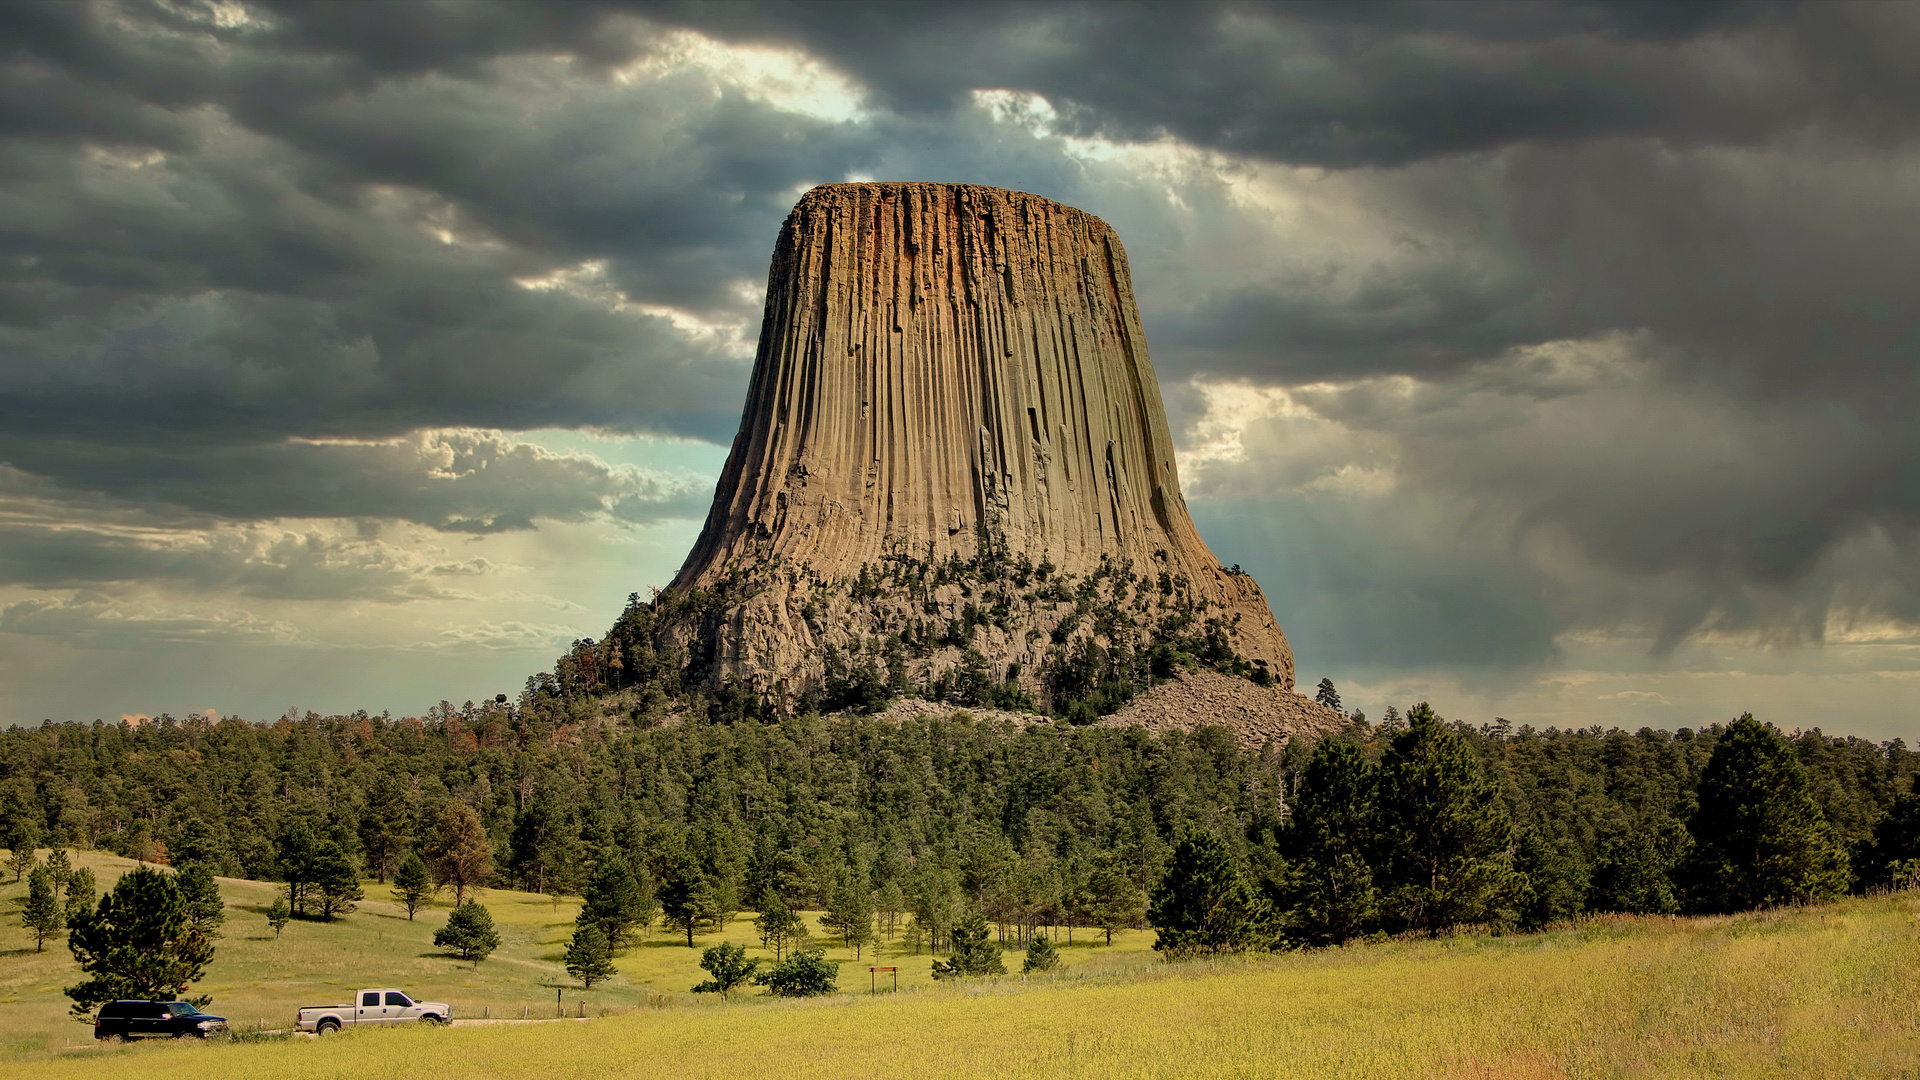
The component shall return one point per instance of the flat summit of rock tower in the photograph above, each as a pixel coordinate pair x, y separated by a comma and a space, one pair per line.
953, 473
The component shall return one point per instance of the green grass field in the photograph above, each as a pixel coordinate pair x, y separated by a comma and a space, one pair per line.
257, 981
1821, 992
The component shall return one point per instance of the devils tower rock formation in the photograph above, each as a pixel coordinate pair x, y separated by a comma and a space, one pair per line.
954, 470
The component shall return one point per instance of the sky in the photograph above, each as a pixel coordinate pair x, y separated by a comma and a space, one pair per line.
1550, 361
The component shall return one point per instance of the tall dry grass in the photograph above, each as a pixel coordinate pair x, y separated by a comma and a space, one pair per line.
1825, 992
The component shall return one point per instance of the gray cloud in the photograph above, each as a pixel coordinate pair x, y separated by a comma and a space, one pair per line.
264, 278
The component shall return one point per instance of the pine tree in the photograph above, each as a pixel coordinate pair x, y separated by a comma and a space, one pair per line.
687, 902
460, 855
1445, 835
205, 909
59, 868
412, 885
974, 951
42, 913
729, 967
336, 886
198, 842
1203, 905
386, 828
1553, 880
296, 851
850, 915
468, 933
1759, 836
79, 893
136, 944
1894, 852
1635, 867
589, 958
1326, 695
21, 837
1114, 902
1041, 956
278, 916
1330, 895
612, 901
780, 926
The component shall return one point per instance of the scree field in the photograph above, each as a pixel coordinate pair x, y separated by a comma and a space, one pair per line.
1819, 992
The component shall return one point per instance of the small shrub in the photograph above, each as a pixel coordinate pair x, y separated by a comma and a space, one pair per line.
807, 973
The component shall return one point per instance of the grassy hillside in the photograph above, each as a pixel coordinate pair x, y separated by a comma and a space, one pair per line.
1819, 992
257, 981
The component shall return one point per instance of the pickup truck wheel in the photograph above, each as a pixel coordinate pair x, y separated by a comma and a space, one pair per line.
326, 1027
432, 1019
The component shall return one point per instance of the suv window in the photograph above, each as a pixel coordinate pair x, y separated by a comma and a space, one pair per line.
397, 999
113, 1010
369, 1001
181, 1008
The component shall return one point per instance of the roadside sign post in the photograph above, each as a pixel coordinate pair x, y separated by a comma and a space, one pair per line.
873, 979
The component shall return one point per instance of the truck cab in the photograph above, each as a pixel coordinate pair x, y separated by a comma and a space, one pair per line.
375, 1005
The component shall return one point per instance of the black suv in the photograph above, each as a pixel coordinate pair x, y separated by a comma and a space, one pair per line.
154, 1020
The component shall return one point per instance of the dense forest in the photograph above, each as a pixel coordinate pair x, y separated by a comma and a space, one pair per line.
1407, 823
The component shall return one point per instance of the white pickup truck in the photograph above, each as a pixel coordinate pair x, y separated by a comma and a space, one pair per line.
378, 1006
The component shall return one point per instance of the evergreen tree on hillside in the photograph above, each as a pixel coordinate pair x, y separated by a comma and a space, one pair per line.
1326, 695
412, 885
1893, 855
589, 958
59, 869
198, 842
21, 835
206, 911
468, 933
1204, 904
1330, 894
79, 893
387, 826
278, 916
41, 912
1114, 901
1759, 838
614, 901
460, 854
974, 952
298, 851
1553, 882
1445, 836
137, 944
1635, 868
780, 927
336, 886
687, 902
1042, 956
850, 916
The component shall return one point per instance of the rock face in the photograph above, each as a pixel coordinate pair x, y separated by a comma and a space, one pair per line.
952, 419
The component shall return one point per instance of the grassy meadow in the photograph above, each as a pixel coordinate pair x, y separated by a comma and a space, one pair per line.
1831, 991
257, 981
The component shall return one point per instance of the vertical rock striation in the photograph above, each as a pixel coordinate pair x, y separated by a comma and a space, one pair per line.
949, 376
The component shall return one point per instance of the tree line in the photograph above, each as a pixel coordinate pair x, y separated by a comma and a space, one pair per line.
939, 830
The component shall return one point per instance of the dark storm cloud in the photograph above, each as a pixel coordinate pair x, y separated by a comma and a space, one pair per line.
228, 243
1349, 85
